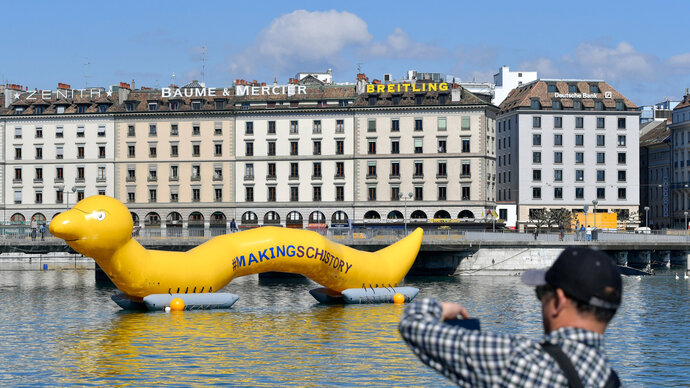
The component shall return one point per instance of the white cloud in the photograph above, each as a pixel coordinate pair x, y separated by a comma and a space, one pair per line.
302, 38
544, 67
679, 62
399, 45
613, 64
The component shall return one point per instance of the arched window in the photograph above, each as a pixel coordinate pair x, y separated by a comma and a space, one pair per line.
372, 215
294, 220
135, 218
152, 219
218, 219
395, 215
339, 217
316, 217
17, 218
418, 215
39, 217
250, 218
466, 214
173, 219
442, 214
271, 218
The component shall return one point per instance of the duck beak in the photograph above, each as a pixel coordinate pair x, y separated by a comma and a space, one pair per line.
66, 225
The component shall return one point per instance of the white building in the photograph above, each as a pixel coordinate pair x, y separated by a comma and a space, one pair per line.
565, 144
506, 80
680, 136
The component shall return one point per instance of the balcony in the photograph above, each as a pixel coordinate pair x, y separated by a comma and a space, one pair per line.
394, 176
131, 179
270, 177
196, 177
174, 178
418, 176
153, 178
217, 177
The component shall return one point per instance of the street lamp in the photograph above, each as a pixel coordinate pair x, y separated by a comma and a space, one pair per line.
686, 223
646, 216
400, 195
595, 202
66, 193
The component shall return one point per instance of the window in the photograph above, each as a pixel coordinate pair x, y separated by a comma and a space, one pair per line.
536, 175
80, 131
371, 147
621, 123
220, 104
271, 127
271, 173
294, 170
465, 193
579, 140
577, 105
174, 173
316, 126
593, 89
395, 170
339, 169
621, 176
152, 195
271, 148
80, 173
131, 196
621, 193
465, 123
536, 122
174, 150
620, 105
249, 194
39, 132
621, 140
558, 122
196, 129
395, 193
340, 193
441, 123
339, 147
17, 196
621, 158
442, 170
38, 174
558, 192
601, 122
217, 194
536, 157
294, 127
249, 148
371, 193
395, 125
371, 169
196, 172
317, 147
579, 175
294, 148
218, 173
442, 193
558, 140
59, 196
441, 146
419, 193
465, 145
395, 146
601, 140
152, 151
601, 157
534, 104
418, 125
271, 195
131, 175
39, 196
218, 149
536, 139
558, 175
316, 193
249, 171
371, 125
601, 175
339, 126
39, 153
101, 152
17, 175
598, 105
418, 170
196, 105
579, 122
316, 170
418, 146
556, 105
80, 152
536, 192
152, 130
59, 132
551, 88
579, 192
601, 192
579, 157
249, 128
196, 195
294, 193
153, 106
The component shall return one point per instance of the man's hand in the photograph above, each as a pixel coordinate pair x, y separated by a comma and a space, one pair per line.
452, 310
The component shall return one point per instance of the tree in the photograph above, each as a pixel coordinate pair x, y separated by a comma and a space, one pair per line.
560, 217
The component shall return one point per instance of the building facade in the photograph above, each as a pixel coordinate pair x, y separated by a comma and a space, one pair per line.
680, 135
570, 144
656, 180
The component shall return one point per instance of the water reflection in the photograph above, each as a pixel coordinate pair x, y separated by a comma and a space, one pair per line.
60, 328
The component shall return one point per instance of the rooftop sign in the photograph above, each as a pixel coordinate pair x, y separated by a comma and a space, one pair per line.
400, 88
240, 90
582, 95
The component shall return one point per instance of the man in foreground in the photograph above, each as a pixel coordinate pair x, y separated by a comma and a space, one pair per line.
579, 296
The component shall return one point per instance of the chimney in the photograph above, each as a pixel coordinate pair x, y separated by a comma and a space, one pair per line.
133, 88
124, 85
275, 80
64, 86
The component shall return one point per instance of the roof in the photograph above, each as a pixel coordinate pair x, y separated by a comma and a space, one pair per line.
521, 97
430, 98
655, 132
683, 104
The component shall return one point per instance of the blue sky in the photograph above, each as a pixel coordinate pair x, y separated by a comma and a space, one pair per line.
638, 47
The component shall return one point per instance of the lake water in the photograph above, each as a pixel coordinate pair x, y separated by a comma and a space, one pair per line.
59, 328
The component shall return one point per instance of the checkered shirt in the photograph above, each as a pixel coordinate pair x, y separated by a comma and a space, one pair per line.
472, 358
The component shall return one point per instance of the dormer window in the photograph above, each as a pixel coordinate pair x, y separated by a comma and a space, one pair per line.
572, 89
129, 106
598, 105
556, 105
577, 105
245, 106
396, 99
39, 109
620, 105
372, 100
102, 108
18, 110
534, 104
60, 109
271, 105
419, 99
81, 108
153, 106
220, 104
594, 89
174, 105
552, 88
442, 99
196, 105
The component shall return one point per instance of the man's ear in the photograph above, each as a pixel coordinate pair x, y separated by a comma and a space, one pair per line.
559, 301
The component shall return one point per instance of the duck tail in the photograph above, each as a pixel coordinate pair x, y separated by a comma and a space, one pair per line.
402, 254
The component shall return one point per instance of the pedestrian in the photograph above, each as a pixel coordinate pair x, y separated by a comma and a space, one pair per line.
582, 232
536, 233
579, 295
589, 233
34, 226
42, 229
561, 231
233, 226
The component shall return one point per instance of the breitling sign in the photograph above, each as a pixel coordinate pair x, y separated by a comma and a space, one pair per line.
400, 88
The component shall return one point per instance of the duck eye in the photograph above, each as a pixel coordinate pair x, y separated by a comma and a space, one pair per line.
100, 216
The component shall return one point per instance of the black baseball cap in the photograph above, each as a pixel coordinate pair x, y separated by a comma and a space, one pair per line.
588, 275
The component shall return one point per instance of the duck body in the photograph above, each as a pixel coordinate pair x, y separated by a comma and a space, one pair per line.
100, 227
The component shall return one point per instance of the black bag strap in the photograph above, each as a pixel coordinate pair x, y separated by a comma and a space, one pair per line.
568, 369
563, 361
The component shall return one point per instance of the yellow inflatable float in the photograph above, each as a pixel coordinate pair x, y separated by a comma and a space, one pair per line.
100, 227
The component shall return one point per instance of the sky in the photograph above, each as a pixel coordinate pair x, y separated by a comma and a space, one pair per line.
638, 47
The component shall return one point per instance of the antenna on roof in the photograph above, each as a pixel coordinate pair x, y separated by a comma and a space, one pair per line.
359, 68
203, 63
173, 78
86, 73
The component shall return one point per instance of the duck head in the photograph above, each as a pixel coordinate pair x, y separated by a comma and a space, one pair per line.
96, 226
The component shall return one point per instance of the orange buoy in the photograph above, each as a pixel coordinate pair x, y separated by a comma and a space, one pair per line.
177, 304
399, 298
